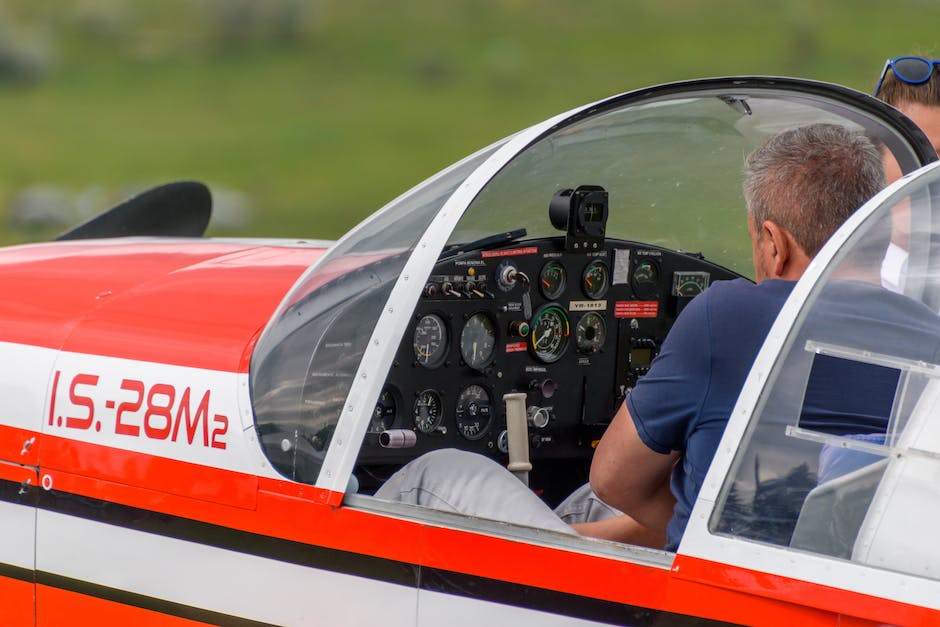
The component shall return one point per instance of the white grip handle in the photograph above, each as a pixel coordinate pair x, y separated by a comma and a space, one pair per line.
517, 429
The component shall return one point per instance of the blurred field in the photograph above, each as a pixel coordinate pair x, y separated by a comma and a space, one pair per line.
305, 117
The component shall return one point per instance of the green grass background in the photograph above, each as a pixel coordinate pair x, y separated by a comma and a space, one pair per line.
322, 111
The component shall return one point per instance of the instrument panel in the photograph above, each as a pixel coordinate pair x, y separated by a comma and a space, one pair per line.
572, 330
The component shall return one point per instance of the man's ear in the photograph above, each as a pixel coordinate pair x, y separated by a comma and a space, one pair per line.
776, 249
783, 257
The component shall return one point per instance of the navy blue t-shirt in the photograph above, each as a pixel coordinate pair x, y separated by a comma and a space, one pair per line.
684, 401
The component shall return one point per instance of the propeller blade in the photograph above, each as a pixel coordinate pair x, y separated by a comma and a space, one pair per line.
178, 209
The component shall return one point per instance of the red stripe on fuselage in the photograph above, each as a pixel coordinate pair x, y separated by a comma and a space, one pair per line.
279, 508
193, 303
156, 476
300, 513
880, 611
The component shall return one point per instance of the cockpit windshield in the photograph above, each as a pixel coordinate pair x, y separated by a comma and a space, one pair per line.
672, 168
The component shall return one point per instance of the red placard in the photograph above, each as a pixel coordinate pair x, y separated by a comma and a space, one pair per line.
636, 309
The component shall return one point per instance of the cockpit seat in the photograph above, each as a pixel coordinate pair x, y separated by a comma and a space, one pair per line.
833, 512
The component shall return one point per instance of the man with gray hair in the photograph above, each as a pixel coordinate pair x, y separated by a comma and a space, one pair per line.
799, 188
809, 180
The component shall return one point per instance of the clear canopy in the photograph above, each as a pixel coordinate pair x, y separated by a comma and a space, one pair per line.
671, 160
304, 363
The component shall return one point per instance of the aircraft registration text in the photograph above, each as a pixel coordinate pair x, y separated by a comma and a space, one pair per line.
113, 405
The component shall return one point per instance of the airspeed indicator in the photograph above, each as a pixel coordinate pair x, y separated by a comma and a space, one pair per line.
430, 341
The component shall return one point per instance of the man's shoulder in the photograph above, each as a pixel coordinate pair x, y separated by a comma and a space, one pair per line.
730, 295
730, 309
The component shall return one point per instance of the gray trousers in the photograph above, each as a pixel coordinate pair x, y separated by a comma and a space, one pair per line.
474, 485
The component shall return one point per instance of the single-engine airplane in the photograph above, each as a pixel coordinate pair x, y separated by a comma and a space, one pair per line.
193, 429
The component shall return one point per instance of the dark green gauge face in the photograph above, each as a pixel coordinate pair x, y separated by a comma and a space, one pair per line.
549, 336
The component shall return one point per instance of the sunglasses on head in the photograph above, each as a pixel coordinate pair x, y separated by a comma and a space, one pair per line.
910, 70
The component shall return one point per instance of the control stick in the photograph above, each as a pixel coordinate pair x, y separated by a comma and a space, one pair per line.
518, 435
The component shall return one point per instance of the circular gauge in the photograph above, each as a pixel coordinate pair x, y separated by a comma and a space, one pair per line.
590, 333
596, 279
552, 280
473, 412
430, 341
646, 279
549, 336
385, 412
478, 341
428, 411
